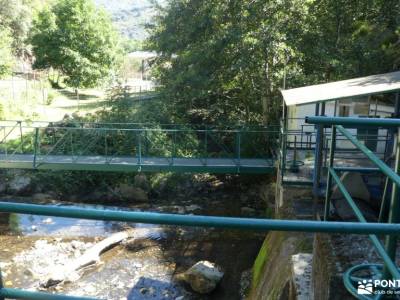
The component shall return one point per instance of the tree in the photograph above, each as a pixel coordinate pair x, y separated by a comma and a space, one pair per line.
75, 38
16, 17
225, 61
6, 57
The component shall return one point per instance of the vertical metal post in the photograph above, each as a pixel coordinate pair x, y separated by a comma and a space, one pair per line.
317, 165
322, 109
284, 135
335, 109
329, 178
206, 143
20, 133
105, 145
174, 146
238, 141
319, 146
394, 212
146, 144
396, 105
36, 146
1, 285
317, 109
139, 147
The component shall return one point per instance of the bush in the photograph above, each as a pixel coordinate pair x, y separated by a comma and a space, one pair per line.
50, 97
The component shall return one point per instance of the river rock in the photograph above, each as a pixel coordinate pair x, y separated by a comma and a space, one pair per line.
354, 184
248, 211
203, 277
128, 192
142, 182
3, 187
19, 184
41, 197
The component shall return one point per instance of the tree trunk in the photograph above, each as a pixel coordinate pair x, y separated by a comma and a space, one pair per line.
91, 256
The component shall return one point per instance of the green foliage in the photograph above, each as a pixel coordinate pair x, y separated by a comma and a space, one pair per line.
225, 61
16, 16
78, 40
129, 45
6, 57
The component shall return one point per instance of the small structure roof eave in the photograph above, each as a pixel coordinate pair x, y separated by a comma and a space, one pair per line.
142, 54
356, 87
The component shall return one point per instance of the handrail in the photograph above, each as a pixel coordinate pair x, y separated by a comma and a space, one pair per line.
201, 221
379, 163
375, 241
387, 252
354, 122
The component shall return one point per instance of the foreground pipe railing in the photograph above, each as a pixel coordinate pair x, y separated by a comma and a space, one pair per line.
31, 295
201, 221
354, 122
372, 157
375, 241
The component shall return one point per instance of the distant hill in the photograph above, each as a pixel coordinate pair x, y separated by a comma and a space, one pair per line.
130, 16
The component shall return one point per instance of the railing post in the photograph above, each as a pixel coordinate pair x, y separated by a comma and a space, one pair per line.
329, 178
238, 141
205, 144
21, 137
105, 144
173, 154
35, 147
139, 147
1, 285
319, 143
394, 213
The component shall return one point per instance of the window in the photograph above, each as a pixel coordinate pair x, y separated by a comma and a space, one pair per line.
344, 111
361, 109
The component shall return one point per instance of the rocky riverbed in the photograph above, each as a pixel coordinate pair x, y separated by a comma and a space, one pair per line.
147, 268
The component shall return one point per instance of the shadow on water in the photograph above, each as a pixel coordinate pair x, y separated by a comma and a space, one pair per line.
150, 288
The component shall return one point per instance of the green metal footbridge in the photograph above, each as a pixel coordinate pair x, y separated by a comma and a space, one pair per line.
137, 147
56, 147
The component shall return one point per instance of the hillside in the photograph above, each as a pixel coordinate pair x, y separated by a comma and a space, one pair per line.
130, 16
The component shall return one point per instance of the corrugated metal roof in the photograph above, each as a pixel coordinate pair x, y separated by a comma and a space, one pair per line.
375, 84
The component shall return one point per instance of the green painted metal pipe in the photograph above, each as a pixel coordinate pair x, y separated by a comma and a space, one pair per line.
329, 179
389, 264
374, 159
357, 169
394, 212
22, 294
201, 221
356, 122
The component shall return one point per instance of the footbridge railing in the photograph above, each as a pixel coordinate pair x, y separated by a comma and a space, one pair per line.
115, 146
390, 205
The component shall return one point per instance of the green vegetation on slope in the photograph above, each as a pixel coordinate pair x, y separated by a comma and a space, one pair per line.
226, 60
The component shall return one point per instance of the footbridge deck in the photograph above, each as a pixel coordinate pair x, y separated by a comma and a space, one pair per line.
136, 147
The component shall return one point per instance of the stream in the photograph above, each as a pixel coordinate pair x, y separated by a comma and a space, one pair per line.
145, 269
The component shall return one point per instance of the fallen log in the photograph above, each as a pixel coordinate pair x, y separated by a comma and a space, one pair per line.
69, 272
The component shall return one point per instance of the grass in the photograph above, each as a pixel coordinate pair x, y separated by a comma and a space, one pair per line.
22, 99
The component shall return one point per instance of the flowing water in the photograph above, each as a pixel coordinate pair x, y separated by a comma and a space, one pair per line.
33, 245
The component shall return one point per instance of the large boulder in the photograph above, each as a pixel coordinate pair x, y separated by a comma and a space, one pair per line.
354, 184
203, 277
127, 192
142, 182
19, 184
